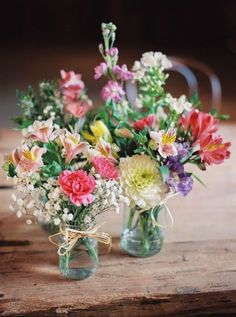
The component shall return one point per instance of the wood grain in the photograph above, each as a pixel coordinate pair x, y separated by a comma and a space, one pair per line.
183, 278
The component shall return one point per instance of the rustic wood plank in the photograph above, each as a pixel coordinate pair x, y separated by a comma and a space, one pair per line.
182, 279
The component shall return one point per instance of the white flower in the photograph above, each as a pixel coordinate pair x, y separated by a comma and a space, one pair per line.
179, 104
155, 59
70, 217
142, 181
57, 221
165, 140
29, 222
19, 214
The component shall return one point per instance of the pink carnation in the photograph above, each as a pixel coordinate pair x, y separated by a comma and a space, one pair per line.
144, 122
78, 108
78, 186
105, 168
122, 72
100, 70
71, 84
112, 91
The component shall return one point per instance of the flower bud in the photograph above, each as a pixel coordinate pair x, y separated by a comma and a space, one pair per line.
124, 133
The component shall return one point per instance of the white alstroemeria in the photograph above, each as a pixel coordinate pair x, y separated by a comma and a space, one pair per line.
180, 104
165, 141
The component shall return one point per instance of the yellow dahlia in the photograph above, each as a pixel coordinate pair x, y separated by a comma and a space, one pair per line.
142, 181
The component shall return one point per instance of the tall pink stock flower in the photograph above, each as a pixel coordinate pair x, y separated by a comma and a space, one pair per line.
100, 70
112, 51
122, 72
72, 145
39, 130
29, 159
200, 123
78, 108
112, 91
105, 168
146, 122
78, 186
213, 150
71, 84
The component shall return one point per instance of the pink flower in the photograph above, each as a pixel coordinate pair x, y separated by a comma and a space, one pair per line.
71, 84
144, 122
78, 186
105, 168
28, 159
39, 130
200, 123
112, 52
100, 70
72, 145
78, 108
212, 150
122, 72
112, 91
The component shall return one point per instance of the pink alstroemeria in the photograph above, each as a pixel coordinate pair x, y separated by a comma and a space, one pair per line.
72, 145
213, 150
71, 84
112, 91
165, 141
122, 72
107, 150
29, 159
39, 130
100, 70
78, 108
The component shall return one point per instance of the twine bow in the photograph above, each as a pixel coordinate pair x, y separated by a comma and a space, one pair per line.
162, 203
71, 236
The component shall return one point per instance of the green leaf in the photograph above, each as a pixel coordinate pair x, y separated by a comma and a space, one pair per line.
11, 170
52, 170
164, 172
199, 180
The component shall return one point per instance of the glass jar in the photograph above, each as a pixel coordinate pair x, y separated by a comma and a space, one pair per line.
140, 237
81, 261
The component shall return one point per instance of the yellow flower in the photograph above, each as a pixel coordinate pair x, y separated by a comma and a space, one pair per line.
142, 181
99, 131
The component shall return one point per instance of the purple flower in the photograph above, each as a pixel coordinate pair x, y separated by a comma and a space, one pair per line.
112, 91
122, 72
182, 183
179, 180
100, 70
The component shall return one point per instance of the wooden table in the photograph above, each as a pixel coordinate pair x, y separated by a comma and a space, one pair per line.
194, 275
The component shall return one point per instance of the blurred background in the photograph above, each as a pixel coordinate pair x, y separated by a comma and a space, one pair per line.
38, 38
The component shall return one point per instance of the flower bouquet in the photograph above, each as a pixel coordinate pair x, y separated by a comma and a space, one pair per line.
60, 182
152, 135
76, 162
